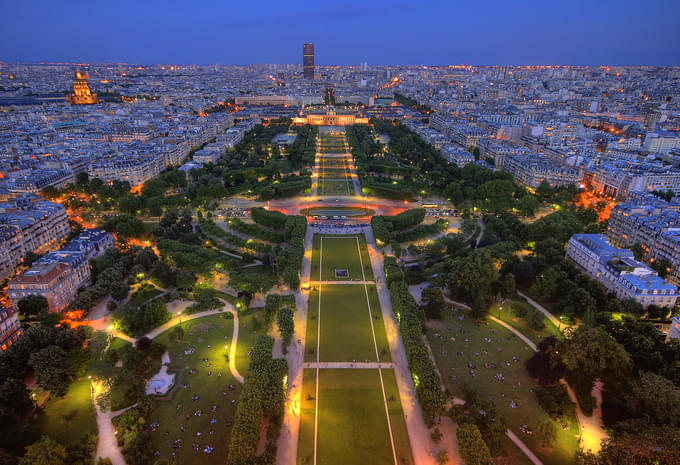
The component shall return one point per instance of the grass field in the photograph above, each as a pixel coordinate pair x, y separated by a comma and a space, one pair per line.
350, 413
346, 333
208, 337
352, 424
341, 252
69, 418
470, 347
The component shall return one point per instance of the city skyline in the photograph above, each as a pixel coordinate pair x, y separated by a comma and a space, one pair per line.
611, 33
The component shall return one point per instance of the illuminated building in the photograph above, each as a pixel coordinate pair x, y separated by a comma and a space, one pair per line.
57, 282
619, 272
82, 95
330, 118
308, 60
29, 225
10, 328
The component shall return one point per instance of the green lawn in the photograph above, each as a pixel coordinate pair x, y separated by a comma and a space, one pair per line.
335, 187
341, 252
352, 426
69, 418
208, 337
507, 315
517, 385
346, 333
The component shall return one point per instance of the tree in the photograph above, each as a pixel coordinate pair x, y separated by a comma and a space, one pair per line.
638, 251
176, 334
119, 290
545, 364
107, 461
31, 305
546, 432
433, 302
655, 398
14, 401
443, 457
52, 369
508, 286
663, 267
46, 451
471, 446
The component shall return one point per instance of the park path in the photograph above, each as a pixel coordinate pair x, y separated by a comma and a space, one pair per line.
516, 332
107, 444
592, 427
287, 445
344, 282
423, 448
523, 447
541, 309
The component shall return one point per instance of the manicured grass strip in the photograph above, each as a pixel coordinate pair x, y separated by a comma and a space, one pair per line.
305, 453
345, 327
352, 427
399, 431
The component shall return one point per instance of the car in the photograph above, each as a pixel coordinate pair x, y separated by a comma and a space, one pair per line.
324, 217
336, 217
343, 217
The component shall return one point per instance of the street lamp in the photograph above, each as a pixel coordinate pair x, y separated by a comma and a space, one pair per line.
559, 325
580, 438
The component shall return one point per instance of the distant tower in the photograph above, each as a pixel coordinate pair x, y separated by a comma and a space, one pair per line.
308, 60
82, 95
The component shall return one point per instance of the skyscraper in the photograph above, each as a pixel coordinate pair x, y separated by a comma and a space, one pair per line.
308, 60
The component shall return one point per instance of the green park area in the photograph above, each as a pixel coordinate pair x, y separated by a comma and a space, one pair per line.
352, 425
70, 418
198, 412
488, 359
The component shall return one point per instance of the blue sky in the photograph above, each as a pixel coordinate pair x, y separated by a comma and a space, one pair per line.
622, 32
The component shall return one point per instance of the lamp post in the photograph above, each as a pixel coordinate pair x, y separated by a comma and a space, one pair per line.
559, 325
580, 438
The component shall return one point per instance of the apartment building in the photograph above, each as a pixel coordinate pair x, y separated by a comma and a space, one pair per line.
619, 272
28, 224
10, 327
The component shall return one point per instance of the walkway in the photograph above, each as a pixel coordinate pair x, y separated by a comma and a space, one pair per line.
592, 427
541, 309
286, 451
343, 282
518, 442
107, 444
528, 341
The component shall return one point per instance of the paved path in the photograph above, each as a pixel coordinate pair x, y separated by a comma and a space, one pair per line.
375, 365
528, 341
518, 442
541, 309
286, 452
343, 282
107, 444
592, 427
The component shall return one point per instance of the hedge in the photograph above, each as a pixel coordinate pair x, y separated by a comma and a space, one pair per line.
263, 396
425, 375
386, 227
422, 231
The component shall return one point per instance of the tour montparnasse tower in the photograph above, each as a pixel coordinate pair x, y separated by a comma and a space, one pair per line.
82, 95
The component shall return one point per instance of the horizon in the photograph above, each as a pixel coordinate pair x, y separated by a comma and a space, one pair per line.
613, 33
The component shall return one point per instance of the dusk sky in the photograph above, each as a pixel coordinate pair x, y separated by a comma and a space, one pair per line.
582, 32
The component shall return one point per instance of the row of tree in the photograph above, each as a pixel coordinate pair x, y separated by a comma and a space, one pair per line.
411, 327
262, 397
